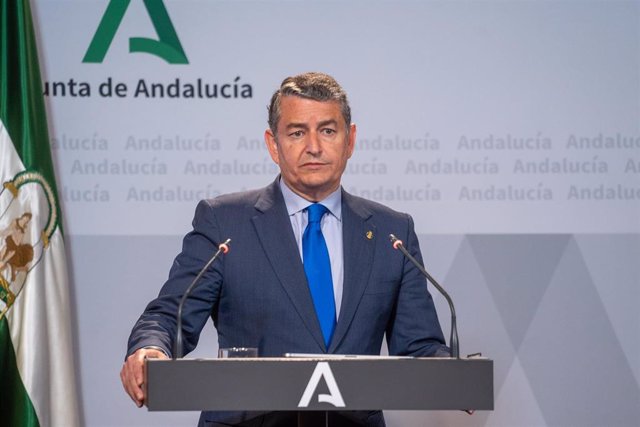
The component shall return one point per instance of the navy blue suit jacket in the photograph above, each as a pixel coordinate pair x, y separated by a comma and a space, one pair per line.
258, 296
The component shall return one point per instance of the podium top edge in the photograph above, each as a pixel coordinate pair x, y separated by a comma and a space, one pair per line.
327, 358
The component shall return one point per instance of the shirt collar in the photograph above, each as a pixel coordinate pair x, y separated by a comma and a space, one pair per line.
295, 203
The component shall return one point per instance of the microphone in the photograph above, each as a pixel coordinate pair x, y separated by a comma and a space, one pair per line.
177, 344
453, 340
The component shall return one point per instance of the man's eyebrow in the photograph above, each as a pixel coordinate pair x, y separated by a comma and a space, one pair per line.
297, 125
306, 126
327, 122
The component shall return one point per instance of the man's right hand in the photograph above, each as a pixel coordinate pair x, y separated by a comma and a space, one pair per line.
132, 373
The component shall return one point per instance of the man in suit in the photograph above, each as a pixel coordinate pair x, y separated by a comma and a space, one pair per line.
263, 293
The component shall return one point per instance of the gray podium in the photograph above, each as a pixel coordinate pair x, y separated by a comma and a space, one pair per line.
319, 384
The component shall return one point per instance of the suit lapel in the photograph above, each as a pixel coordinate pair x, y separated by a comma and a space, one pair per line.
274, 231
358, 260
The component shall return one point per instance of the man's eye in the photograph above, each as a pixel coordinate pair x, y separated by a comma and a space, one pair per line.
296, 134
328, 131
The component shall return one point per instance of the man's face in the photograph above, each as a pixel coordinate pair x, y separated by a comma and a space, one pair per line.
311, 147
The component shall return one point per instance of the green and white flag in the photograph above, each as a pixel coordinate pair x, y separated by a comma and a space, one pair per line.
37, 381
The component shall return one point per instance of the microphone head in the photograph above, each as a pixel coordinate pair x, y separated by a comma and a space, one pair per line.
224, 246
395, 241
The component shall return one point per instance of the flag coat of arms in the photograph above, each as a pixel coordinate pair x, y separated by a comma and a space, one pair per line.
37, 369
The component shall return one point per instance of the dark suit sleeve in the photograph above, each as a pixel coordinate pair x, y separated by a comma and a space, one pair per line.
414, 328
157, 325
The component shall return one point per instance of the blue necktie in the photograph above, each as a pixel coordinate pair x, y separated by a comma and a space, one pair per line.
317, 267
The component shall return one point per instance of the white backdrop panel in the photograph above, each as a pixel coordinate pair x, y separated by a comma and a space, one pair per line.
473, 116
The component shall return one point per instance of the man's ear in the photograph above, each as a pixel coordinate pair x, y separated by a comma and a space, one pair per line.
352, 139
272, 145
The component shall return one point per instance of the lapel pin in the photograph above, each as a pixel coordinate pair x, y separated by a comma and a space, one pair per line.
369, 234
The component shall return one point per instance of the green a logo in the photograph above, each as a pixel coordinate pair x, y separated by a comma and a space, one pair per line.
168, 46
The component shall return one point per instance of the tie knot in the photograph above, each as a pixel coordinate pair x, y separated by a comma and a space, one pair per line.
316, 211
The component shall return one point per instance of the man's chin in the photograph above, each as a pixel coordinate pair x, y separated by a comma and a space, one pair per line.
315, 190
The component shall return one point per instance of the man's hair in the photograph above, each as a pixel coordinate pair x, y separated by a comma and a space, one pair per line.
315, 86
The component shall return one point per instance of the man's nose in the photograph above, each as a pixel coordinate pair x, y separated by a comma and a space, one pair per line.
314, 145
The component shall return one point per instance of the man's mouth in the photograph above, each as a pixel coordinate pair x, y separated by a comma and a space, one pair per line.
313, 165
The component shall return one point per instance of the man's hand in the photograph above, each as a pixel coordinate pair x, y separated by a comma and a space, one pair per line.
132, 373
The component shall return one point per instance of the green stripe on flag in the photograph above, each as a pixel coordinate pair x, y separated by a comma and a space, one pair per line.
17, 410
22, 107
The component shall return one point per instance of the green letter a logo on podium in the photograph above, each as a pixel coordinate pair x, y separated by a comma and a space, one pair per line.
168, 46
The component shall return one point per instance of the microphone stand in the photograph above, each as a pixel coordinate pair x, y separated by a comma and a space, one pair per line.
453, 339
177, 344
